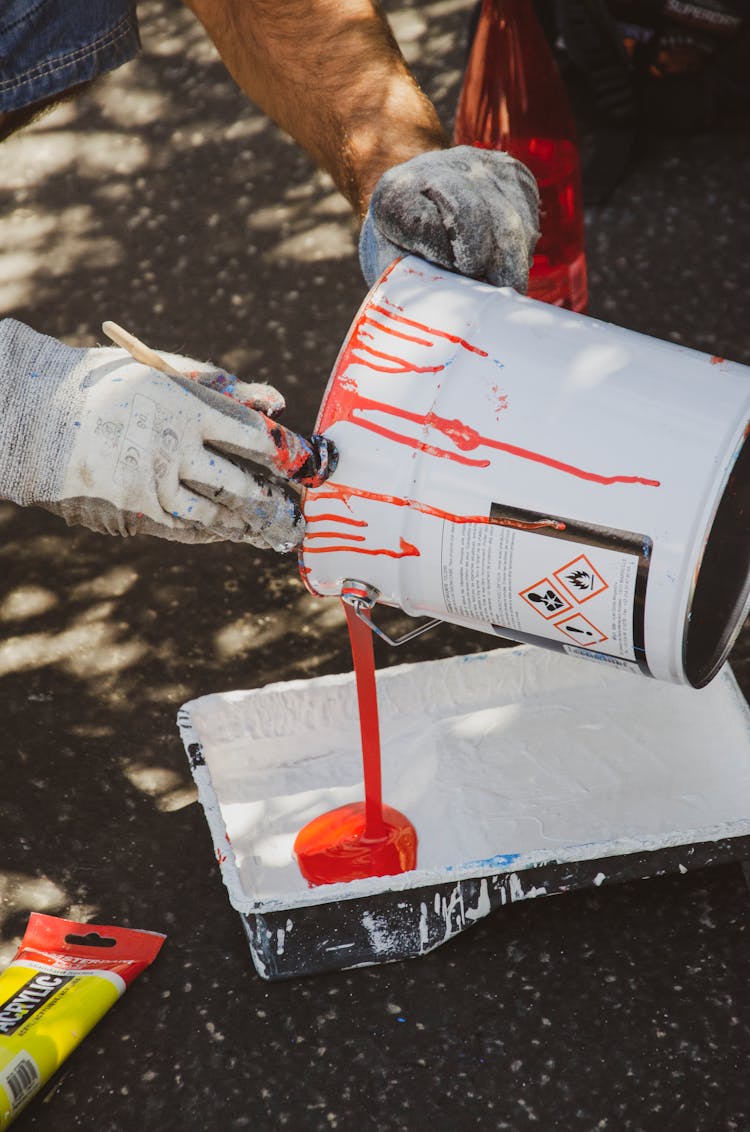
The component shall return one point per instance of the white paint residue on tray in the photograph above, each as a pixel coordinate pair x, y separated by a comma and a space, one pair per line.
515, 751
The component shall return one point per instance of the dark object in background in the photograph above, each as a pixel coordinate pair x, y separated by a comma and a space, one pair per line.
638, 67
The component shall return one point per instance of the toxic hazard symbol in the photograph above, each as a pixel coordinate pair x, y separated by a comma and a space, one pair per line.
579, 629
580, 579
546, 598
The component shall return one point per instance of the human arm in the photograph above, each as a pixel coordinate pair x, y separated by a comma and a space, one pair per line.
331, 74
119, 447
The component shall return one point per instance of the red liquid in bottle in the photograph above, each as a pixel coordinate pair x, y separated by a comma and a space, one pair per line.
558, 274
361, 839
514, 99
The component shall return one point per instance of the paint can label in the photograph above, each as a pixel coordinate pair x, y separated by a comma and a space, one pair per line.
557, 581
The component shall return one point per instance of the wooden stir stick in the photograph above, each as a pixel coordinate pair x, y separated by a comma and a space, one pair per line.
138, 350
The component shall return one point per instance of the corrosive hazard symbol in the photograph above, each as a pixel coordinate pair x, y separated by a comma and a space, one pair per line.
546, 598
579, 629
580, 579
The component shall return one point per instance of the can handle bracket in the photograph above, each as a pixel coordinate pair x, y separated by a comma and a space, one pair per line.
362, 598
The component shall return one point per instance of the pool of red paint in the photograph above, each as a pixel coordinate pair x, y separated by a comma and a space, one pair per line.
336, 846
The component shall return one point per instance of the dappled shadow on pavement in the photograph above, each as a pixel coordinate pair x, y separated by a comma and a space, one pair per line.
163, 201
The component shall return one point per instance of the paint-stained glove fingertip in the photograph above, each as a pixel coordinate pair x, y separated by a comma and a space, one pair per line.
468, 210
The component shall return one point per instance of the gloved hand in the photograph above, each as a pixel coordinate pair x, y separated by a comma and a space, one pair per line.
113, 445
473, 211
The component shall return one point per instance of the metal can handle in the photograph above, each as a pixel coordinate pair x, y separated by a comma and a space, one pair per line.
363, 597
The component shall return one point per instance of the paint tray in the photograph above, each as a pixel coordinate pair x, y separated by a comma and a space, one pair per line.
525, 773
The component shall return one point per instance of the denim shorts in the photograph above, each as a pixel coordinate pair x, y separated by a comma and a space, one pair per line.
47, 46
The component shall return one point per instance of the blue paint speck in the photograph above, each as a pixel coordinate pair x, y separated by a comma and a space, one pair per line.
498, 861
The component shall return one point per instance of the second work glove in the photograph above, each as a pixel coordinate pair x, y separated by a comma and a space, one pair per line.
472, 211
111, 444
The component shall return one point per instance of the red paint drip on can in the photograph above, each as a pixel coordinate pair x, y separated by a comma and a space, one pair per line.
350, 405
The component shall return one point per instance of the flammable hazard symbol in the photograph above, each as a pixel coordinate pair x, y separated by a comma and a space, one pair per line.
546, 598
579, 579
579, 629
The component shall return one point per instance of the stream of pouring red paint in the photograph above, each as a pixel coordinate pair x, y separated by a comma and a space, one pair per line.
361, 839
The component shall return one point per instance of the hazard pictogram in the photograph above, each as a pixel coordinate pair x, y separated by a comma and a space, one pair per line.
579, 579
580, 630
547, 599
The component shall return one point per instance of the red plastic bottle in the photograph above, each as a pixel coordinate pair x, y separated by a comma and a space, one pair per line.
514, 99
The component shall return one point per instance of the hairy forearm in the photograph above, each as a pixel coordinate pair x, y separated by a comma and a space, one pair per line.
331, 74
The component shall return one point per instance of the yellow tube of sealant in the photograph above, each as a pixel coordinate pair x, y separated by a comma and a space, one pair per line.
65, 976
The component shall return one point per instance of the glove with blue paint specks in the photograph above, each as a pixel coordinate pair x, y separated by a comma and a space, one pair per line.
113, 445
473, 211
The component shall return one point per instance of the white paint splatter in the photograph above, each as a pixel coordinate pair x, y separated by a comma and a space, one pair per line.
452, 911
424, 933
517, 891
381, 940
483, 907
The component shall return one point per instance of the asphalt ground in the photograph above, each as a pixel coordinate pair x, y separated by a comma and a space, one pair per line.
162, 200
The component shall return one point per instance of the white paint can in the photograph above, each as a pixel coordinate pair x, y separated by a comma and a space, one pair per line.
536, 474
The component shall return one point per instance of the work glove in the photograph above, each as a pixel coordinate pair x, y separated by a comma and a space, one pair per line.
114, 445
473, 211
